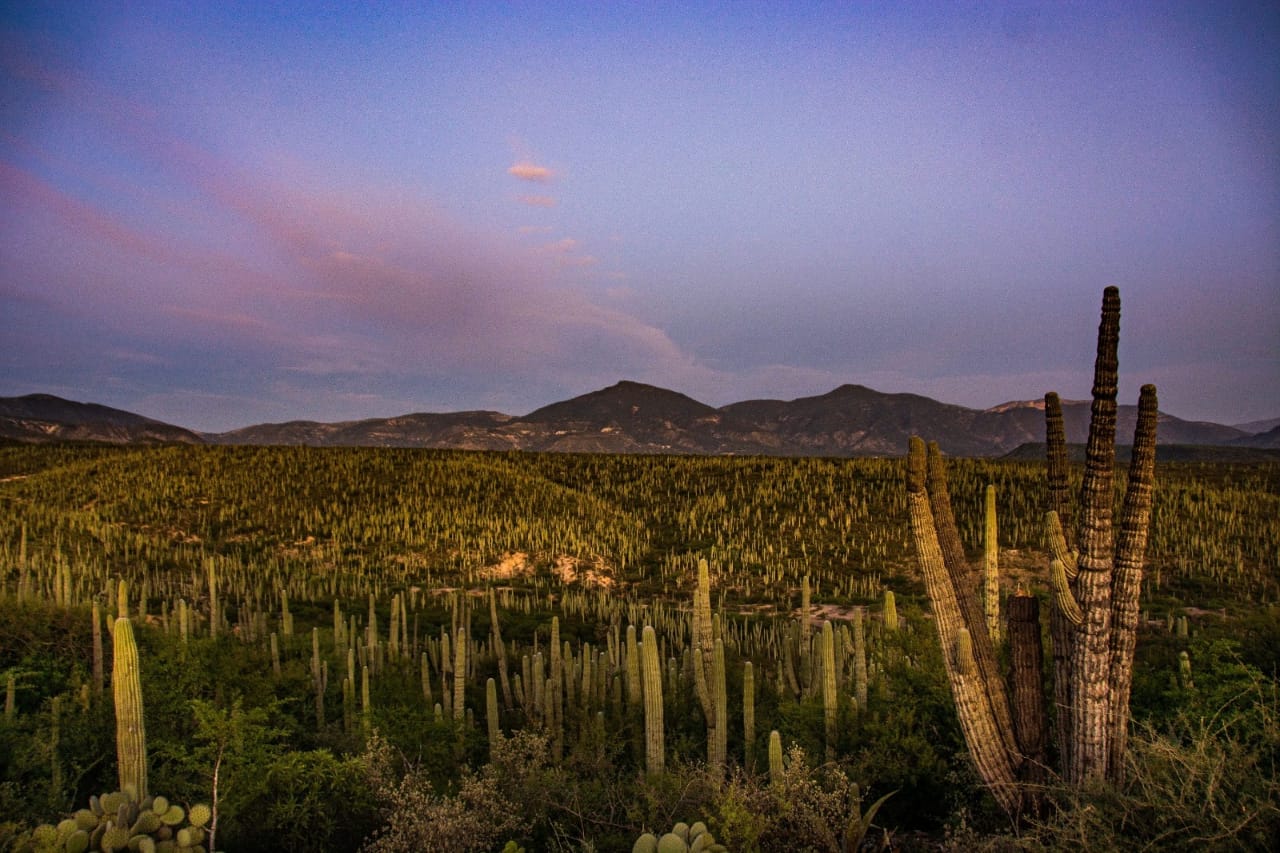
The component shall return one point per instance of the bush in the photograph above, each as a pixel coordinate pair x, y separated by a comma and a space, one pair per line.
1201, 782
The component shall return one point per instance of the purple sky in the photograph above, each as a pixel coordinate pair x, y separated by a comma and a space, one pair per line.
218, 215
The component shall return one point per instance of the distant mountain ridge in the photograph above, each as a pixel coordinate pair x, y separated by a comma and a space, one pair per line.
41, 418
632, 417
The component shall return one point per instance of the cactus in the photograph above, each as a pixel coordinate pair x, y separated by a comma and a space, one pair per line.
1095, 614
99, 676
459, 674
775, 756
991, 567
890, 611
652, 679
708, 683
126, 686
500, 650
119, 821
682, 838
859, 658
211, 573
829, 687
491, 715
633, 668
748, 713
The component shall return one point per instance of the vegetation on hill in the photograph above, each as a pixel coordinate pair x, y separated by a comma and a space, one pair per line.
322, 627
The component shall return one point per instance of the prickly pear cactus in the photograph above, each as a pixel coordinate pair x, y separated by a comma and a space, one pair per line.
119, 821
682, 838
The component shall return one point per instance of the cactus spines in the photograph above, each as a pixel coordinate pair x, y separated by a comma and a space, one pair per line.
651, 670
126, 686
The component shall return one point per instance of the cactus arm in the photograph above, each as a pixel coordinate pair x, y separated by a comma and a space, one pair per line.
1090, 650
1062, 596
986, 742
1131, 546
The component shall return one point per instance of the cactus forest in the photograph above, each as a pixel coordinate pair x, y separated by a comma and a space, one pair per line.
270, 648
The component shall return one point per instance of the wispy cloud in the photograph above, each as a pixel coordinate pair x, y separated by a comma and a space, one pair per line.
527, 171
538, 200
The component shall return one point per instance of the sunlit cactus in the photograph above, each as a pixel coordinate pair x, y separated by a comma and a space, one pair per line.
126, 686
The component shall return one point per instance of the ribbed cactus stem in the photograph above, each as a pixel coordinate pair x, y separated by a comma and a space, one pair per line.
748, 712
651, 669
859, 658
491, 716
720, 699
211, 574
460, 674
776, 768
890, 611
99, 676
633, 668
991, 567
126, 687
500, 650
366, 700
829, 688
1063, 598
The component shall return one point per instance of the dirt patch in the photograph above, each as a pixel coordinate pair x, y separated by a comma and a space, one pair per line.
572, 570
511, 565
820, 613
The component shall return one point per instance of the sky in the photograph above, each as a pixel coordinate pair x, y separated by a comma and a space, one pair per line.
220, 214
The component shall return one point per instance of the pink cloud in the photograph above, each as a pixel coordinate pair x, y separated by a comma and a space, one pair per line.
526, 171
538, 200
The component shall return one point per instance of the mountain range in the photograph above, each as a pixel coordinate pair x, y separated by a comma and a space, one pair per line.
631, 417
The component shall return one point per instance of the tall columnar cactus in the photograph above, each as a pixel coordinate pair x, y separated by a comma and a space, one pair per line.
775, 756
460, 675
500, 650
748, 712
651, 667
890, 611
211, 573
859, 658
491, 715
99, 675
1096, 589
829, 687
708, 679
633, 668
131, 734
991, 567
